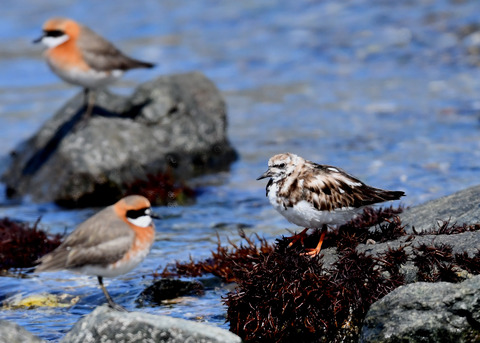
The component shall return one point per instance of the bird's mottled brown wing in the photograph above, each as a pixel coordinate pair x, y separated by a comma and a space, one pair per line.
102, 55
100, 240
329, 188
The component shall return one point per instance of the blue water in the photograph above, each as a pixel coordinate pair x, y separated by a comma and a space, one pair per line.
389, 91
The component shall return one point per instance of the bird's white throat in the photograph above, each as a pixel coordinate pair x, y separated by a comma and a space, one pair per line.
142, 221
52, 42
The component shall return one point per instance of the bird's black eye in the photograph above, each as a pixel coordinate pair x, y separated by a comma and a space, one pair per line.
53, 33
134, 214
281, 165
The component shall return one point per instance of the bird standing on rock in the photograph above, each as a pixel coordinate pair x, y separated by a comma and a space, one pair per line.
81, 57
110, 243
317, 196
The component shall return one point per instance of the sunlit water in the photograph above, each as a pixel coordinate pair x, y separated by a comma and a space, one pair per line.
386, 90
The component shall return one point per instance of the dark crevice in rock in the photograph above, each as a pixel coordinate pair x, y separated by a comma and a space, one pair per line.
42, 155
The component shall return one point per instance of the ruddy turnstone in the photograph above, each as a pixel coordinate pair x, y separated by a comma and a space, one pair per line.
110, 243
81, 57
317, 196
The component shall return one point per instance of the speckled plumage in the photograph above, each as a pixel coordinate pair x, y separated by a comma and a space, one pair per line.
313, 195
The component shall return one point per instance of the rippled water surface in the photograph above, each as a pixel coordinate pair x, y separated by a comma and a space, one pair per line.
386, 90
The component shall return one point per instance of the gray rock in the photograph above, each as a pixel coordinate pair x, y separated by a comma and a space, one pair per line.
174, 124
468, 242
425, 312
14, 333
430, 312
461, 207
462, 242
107, 325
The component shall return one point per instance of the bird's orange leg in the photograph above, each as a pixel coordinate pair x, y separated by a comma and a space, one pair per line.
298, 237
316, 251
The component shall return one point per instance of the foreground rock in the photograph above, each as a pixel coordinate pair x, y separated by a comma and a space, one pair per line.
425, 312
106, 325
13, 333
173, 124
431, 312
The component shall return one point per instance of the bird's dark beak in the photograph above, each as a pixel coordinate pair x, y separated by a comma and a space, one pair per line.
264, 175
38, 40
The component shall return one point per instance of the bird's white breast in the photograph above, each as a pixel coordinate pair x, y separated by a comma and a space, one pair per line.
142, 221
304, 214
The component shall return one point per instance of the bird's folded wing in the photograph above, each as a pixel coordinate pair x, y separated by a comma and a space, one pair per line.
101, 255
100, 54
102, 239
331, 188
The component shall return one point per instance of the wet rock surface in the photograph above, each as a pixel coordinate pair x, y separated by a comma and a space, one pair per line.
105, 324
13, 333
169, 289
174, 125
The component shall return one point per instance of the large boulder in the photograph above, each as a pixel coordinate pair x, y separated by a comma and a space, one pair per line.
174, 125
107, 325
426, 312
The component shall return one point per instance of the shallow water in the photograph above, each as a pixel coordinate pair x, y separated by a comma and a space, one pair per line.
388, 92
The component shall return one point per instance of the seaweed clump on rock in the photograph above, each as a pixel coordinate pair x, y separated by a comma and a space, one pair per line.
290, 296
282, 295
22, 244
228, 263
162, 190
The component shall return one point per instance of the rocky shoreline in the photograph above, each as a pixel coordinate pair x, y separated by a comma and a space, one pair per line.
415, 311
381, 279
